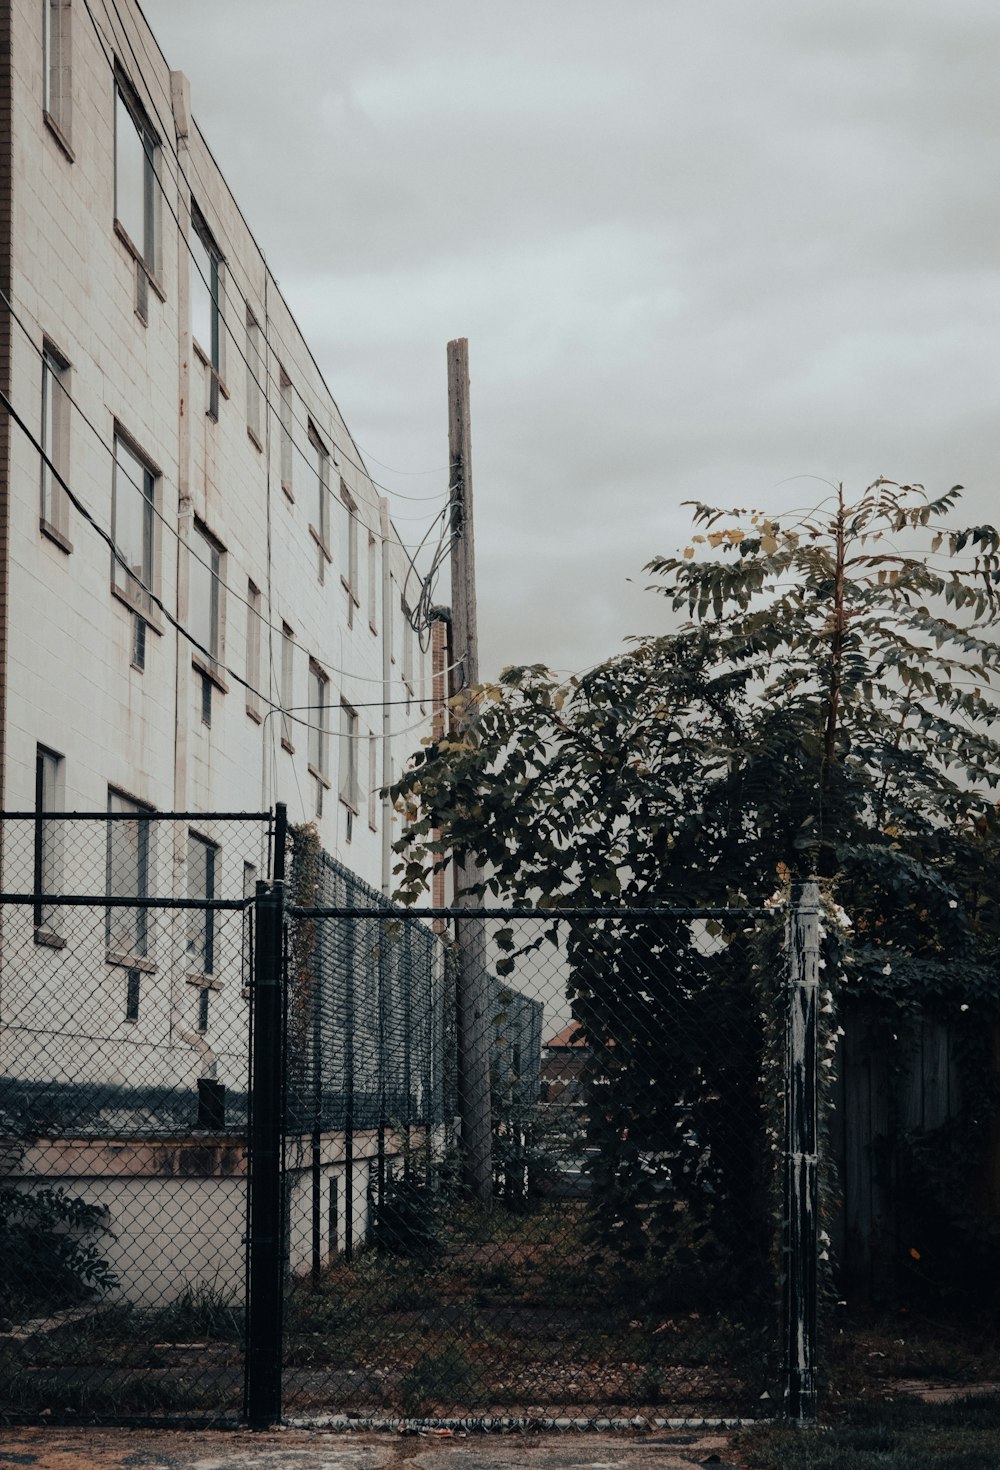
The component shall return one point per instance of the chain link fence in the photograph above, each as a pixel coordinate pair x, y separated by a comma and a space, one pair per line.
268, 1145
627, 1263
126, 940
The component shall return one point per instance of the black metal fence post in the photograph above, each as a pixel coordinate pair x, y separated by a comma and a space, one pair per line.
266, 1258
801, 1154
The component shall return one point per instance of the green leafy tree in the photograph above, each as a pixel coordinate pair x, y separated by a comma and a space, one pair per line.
826, 708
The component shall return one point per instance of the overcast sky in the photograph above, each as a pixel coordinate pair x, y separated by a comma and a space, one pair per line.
699, 248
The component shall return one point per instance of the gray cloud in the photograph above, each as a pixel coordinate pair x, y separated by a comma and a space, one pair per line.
698, 250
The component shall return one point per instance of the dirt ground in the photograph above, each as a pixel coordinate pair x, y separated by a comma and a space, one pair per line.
151, 1449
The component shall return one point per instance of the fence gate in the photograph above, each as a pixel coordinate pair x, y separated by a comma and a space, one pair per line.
126, 958
613, 1251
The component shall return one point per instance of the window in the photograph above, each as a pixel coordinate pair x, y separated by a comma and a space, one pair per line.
373, 582
48, 843
127, 929
136, 204
133, 532
253, 652
55, 443
349, 577
407, 647
202, 863
349, 763
286, 416
319, 738
321, 492
287, 652
206, 304
206, 611
373, 788
57, 101
201, 870
255, 378
249, 893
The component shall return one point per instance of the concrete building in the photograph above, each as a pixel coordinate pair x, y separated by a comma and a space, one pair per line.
204, 607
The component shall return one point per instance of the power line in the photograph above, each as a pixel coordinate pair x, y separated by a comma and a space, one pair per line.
158, 602
244, 299
159, 514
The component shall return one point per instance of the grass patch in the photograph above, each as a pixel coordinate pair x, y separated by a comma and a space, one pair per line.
903, 1435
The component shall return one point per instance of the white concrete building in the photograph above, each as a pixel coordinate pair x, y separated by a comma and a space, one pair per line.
203, 605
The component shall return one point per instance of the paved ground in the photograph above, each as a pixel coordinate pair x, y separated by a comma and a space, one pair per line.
151, 1449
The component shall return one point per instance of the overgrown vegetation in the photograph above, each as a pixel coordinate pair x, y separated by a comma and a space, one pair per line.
903, 1435
50, 1254
827, 709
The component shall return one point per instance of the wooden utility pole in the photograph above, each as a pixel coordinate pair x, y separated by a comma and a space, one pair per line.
474, 1020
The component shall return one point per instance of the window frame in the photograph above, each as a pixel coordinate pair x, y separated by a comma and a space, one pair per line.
318, 761
56, 418
137, 955
286, 419
215, 567
320, 532
374, 582
254, 701
57, 71
212, 353
49, 845
348, 787
349, 574
373, 782
136, 594
145, 253
255, 372
286, 688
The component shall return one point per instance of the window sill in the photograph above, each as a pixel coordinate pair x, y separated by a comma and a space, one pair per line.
323, 545
137, 256
59, 135
324, 781
373, 627
286, 744
130, 961
206, 361
203, 982
287, 489
55, 535
210, 669
254, 714
350, 805
50, 940
350, 592
140, 605
255, 439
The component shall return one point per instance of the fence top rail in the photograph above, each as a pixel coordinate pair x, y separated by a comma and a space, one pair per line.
349, 911
113, 901
145, 815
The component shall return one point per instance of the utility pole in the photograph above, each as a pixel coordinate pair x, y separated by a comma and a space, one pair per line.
473, 999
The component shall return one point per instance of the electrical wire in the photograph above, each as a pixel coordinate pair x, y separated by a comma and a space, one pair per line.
158, 602
164, 143
171, 529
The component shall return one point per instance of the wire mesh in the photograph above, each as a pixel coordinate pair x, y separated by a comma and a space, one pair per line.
625, 1261
126, 948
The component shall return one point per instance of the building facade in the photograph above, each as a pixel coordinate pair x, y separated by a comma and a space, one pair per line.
204, 607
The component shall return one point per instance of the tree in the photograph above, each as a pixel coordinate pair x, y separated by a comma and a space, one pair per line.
828, 707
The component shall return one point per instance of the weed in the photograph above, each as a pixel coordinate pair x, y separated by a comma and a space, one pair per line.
199, 1312
443, 1380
